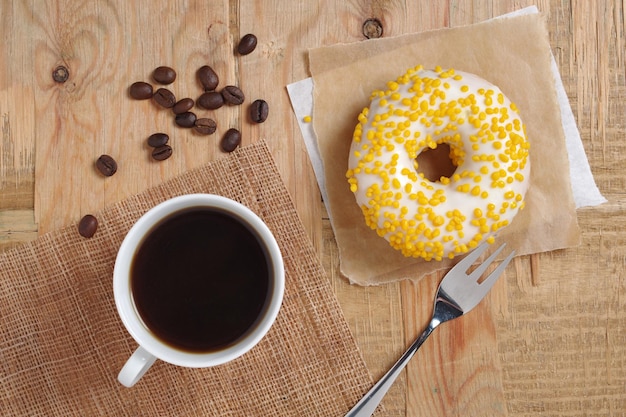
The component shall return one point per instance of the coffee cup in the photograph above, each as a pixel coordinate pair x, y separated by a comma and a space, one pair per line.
198, 282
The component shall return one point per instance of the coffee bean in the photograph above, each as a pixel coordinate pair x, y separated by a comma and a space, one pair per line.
164, 98
186, 119
140, 90
208, 78
210, 100
230, 140
158, 139
247, 44
259, 110
106, 165
164, 75
162, 152
87, 226
205, 126
183, 105
233, 95
60, 74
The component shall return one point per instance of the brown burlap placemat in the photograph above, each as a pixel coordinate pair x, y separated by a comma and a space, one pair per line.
62, 343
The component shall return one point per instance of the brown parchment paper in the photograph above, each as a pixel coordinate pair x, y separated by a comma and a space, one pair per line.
512, 53
62, 343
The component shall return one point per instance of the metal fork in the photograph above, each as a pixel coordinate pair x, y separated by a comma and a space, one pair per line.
458, 293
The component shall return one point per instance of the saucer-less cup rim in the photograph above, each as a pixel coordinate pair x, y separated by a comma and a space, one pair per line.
151, 348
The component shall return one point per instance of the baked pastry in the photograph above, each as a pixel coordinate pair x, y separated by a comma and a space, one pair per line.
449, 216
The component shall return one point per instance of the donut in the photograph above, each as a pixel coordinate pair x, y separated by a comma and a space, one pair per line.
489, 149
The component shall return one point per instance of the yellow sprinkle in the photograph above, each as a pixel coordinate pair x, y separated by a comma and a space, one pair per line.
393, 86
498, 151
306, 119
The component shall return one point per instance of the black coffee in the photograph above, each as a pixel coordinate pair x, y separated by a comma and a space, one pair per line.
200, 279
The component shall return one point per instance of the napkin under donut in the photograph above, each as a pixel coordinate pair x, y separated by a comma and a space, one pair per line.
512, 53
62, 343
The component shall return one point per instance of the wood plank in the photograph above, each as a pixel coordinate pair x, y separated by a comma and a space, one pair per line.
278, 60
374, 315
16, 227
17, 124
565, 338
554, 326
457, 371
106, 46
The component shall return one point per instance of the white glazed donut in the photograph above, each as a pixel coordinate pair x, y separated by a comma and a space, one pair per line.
488, 145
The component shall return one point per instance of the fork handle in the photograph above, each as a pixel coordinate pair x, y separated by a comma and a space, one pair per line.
367, 405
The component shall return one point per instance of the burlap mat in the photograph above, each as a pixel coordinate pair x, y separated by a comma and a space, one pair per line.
63, 344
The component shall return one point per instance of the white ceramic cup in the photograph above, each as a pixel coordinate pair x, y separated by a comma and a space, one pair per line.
150, 347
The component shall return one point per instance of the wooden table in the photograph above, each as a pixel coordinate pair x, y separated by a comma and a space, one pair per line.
551, 337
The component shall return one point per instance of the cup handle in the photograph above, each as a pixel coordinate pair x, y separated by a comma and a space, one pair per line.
134, 368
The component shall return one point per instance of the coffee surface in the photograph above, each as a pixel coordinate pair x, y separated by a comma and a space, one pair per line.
200, 280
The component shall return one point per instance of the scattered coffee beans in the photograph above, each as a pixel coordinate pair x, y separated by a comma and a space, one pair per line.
231, 139
87, 226
164, 98
259, 110
211, 100
233, 95
164, 75
247, 44
158, 139
186, 119
106, 165
140, 90
162, 152
183, 105
208, 78
205, 126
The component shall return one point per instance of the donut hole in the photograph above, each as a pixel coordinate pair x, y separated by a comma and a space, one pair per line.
435, 163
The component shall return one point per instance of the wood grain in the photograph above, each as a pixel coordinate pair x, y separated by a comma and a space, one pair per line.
550, 340
458, 372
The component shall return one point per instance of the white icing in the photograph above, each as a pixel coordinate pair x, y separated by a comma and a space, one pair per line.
447, 218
